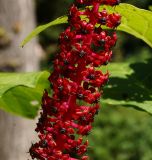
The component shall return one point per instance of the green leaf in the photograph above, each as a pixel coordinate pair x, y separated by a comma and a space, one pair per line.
41, 28
20, 93
130, 85
135, 21
150, 8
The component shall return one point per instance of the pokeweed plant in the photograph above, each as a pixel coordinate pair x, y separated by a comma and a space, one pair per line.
137, 93
69, 110
64, 123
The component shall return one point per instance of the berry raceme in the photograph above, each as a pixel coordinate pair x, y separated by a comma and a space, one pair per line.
84, 45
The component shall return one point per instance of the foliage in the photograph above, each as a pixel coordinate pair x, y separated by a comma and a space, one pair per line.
121, 134
150, 8
132, 18
20, 93
129, 85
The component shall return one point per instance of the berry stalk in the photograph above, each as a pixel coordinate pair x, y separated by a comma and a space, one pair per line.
84, 46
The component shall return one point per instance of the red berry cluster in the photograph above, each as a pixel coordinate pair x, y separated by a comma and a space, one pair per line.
84, 45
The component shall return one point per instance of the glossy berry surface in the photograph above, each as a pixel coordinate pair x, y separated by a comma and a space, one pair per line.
84, 45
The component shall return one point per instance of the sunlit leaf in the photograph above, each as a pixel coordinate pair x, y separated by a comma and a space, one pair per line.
130, 85
135, 21
20, 93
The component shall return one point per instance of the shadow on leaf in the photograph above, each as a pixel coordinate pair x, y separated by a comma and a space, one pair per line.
135, 90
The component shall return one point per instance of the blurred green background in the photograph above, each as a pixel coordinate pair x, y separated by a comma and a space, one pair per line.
119, 133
